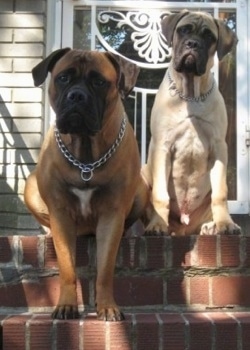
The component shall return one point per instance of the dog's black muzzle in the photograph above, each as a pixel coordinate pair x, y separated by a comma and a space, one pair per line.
191, 56
79, 111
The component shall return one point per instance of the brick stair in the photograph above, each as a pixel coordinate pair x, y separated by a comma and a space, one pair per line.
187, 293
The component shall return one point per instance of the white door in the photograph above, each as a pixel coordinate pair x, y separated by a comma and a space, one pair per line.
132, 29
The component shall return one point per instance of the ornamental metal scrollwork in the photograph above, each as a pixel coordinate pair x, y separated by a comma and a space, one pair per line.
147, 38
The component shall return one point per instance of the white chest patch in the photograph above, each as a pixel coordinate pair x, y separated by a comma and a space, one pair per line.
84, 198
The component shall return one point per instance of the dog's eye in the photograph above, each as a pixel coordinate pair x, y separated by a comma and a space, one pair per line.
98, 82
185, 30
64, 78
208, 35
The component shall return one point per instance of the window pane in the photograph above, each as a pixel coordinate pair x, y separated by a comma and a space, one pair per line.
82, 29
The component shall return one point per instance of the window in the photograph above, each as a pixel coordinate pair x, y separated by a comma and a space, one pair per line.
134, 32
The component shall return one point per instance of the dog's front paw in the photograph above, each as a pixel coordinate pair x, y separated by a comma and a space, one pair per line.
65, 312
156, 227
228, 228
220, 228
209, 228
110, 313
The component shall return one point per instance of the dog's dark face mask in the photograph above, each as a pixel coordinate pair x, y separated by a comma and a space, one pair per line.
84, 86
80, 100
195, 37
193, 47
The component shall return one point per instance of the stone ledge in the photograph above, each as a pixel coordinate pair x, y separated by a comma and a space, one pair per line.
140, 331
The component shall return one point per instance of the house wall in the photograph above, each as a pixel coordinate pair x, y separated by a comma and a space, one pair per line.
22, 45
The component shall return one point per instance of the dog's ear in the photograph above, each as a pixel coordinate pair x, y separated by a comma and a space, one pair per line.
40, 71
169, 23
227, 39
127, 73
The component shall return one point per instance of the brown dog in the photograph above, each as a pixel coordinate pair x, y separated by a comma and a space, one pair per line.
87, 179
187, 159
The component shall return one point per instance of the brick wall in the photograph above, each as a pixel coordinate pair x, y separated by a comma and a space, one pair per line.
176, 292
22, 37
152, 273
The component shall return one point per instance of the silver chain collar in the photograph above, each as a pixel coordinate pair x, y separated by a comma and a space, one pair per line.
186, 98
87, 170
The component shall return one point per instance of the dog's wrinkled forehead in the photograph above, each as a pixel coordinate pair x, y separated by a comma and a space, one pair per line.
199, 22
84, 62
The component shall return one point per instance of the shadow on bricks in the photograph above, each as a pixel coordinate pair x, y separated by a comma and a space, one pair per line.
17, 161
150, 270
12, 293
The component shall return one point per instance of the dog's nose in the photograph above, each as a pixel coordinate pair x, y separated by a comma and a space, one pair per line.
192, 44
76, 95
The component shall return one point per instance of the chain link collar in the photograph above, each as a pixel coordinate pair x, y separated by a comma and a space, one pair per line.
201, 98
87, 170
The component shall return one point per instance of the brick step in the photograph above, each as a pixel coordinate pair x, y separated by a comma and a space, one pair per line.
160, 273
140, 331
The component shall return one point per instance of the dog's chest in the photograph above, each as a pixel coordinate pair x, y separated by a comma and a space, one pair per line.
192, 144
84, 197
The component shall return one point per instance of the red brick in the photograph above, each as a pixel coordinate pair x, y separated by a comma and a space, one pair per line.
120, 334
39, 293
231, 290
13, 295
206, 251
199, 290
50, 254
229, 249
168, 331
41, 332
14, 329
155, 252
130, 251
173, 332
5, 249
30, 250
147, 332
93, 333
244, 319
46, 292
138, 290
67, 332
225, 330
42, 293
247, 251
200, 331
181, 250
168, 252
82, 258
176, 291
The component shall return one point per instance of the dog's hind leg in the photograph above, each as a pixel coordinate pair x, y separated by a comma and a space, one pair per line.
34, 201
